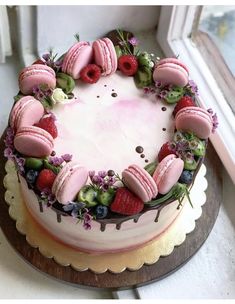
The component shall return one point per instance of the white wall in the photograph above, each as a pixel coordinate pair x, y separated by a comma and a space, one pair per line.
57, 25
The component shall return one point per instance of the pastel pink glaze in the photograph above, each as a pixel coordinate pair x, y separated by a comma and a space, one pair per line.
26, 112
69, 181
77, 57
171, 71
105, 56
196, 120
140, 182
33, 141
168, 172
35, 75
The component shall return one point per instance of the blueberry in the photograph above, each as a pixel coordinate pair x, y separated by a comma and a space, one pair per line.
31, 176
186, 177
101, 211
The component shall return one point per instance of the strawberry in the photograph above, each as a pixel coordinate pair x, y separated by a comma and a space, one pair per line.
128, 64
91, 73
165, 150
126, 202
45, 179
48, 124
39, 61
185, 101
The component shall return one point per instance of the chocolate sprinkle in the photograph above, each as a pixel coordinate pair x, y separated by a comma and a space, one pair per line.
113, 90
105, 85
114, 94
146, 160
139, 149
163, 129
97, 96
142, 156
53, 153
163, 108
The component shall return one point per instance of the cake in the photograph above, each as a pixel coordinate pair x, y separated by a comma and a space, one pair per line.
107, 141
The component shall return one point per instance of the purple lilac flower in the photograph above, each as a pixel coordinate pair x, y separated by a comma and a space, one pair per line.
158, 84
214, 119
91, 174
193, 87
102, 174
67, 157
56, 161
133, 41
8, 153
87, 218
47, 196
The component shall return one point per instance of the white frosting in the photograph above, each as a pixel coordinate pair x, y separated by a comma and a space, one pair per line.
102, 133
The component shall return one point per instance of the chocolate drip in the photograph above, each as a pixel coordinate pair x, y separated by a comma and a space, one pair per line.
136, 218
157, 216
102, 226
58, 216
118, 226
40, 206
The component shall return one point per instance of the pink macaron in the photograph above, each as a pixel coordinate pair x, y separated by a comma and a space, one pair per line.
76, 58
105, 56
171, 71
35, 75
196, 120
26, 112
140, 182
168, 172
33, 141
71, 178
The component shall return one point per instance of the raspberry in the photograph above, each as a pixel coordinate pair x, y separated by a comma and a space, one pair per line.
45, 179
48, 124
126, 202
165, 150
91, 73
185, 101
128, 64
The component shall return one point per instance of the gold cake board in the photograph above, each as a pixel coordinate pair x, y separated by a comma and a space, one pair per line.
100, 263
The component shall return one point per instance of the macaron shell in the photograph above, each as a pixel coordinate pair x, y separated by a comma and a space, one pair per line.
173, 60
105, 56
168, 173
18, 106
35, 75
68, 184
77, 57
150, 184
30, 114
33, 141
135, 186
195, 120
170, 73
112, 54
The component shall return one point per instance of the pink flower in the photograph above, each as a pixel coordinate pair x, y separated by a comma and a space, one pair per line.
133, 41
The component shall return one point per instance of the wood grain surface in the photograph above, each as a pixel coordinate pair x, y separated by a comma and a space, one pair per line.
127, 279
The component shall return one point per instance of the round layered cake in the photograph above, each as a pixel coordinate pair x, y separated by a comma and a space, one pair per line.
107, 141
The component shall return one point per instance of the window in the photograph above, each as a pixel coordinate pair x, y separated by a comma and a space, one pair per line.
180, 31
214, 36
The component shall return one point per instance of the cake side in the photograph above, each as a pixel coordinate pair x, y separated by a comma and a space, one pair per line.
100, 238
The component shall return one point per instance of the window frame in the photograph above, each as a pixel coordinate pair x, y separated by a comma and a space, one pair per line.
175, 26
